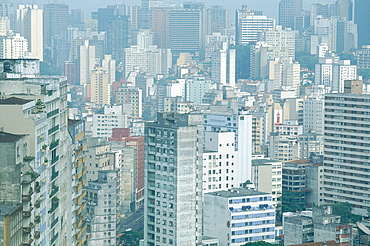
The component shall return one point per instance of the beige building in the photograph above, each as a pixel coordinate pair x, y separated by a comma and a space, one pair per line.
29, 23
100, 89
267, 177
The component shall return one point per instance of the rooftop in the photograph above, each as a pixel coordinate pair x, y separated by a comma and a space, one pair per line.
6, 137
14, 101
256, 162
327, 243
7, 208
237, 192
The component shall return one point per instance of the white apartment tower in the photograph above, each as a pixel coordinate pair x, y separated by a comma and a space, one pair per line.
173, 180
220, 161
223, 65
14, 47
29, 23
332, 72
250, 24
86, 61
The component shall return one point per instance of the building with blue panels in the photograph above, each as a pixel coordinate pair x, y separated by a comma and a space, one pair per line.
238, 216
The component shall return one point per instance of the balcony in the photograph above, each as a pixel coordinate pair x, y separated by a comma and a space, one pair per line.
54, 191
37, 219
37, 234
55, 159
53, 129
52, 113
37, 187
54, 144
54, 175
27, 213
54, 222
37, 203
54, 238
54, 204
28, 243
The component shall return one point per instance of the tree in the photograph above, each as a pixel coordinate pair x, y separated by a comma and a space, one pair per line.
259, 243
345, 211
307, 60
348, 56
292, 201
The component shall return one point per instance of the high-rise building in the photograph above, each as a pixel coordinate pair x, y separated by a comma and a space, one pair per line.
102, 216
346, 151
267, 177
220, 19
238, 216
144, 20
344, 8
86, 62
278, 37
29, 23
332, 72
117, 36
249, 24
185, 30
223, 65
288, 10
362, 19
100, 88
160, 27
56, 19
14, 47
173, 180
38, 105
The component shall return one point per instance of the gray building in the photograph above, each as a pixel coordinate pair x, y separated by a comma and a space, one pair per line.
101, 207
173, 175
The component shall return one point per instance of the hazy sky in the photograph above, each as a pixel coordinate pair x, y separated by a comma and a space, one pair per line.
269, 7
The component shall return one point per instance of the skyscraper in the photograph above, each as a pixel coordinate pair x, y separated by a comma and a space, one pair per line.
184, 30
29, 24
288, 10
173, 200
362, 19
346, 156
56, 19
344, 9
249, 24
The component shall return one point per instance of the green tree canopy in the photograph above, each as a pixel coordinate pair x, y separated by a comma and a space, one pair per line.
345, 211
259, 243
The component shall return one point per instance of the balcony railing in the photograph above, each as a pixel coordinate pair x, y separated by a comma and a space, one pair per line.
54, 222
53, 129
54, 144
52, 113
54, 175
55, 159
54, 238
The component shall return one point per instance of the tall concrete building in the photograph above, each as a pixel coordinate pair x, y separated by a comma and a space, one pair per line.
238, 216
344, 8
332, 72
250, 24
362, 19
14, 47
102, 216
346, 150
288, 10
220, 162
223, 65
39, 106
56, 20
173, 180
100, 89
86, 61
29, 23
